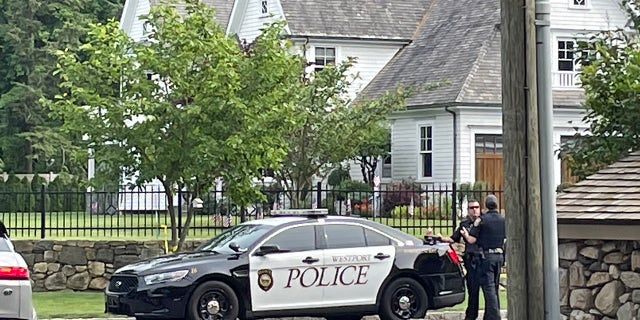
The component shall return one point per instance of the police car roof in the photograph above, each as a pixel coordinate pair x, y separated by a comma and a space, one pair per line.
282, 219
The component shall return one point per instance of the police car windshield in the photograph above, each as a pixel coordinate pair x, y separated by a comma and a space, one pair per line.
243, 235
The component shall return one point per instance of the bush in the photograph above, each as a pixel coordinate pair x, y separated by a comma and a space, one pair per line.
400, 194
337, 176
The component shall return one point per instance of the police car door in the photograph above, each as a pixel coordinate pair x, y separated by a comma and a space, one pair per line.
286, 279
357, 260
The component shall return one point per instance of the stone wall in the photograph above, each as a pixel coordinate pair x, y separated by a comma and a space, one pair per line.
599, 280
82, 265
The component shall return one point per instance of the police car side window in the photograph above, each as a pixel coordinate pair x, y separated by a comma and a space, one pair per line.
344, 236
295, 239
376, 239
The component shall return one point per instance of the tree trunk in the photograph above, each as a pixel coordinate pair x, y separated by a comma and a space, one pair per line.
28, 151
172, 215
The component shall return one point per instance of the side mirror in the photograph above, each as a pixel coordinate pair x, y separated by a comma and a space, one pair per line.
235, 247
267, 249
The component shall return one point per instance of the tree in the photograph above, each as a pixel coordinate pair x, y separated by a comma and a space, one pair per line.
185, 108
334, 128
29, 30
610, 72
377, 146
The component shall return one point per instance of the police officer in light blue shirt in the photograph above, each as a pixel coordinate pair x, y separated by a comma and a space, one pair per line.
489, 234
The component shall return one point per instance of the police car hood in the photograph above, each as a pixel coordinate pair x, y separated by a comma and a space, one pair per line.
173, 262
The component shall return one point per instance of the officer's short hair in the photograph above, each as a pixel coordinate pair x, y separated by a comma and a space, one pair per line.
491, 202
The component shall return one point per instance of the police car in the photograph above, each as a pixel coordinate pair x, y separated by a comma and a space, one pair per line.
294, 264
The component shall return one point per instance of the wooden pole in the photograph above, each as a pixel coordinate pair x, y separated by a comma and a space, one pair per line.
525, 289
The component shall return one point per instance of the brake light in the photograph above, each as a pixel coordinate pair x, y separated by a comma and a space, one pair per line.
14, 273
453, 256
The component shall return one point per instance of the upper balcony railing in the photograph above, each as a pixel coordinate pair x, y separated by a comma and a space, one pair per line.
565, 79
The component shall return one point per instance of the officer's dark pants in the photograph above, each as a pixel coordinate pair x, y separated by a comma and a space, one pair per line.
473, 287
489, 273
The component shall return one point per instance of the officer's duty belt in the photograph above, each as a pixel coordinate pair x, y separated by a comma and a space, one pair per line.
496, 250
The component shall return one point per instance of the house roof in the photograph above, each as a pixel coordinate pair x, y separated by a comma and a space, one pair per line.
223, 9
611, 196
458, 43
375, 19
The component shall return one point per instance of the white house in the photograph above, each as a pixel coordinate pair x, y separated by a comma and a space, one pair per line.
459, 42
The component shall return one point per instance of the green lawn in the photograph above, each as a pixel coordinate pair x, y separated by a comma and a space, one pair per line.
139, 226
91, 304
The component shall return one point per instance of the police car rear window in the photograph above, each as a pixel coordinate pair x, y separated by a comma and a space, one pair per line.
4, 245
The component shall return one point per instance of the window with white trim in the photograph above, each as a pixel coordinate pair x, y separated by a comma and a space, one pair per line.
426, 151
578, 3
324, 57
264, 5
566, 61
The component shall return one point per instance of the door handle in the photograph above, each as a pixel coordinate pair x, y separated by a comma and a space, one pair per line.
381, 256
310, 260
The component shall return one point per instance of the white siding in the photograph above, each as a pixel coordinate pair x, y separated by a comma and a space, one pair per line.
598, 15
471, 121
137, 31
371, 58
405, 147
254, 20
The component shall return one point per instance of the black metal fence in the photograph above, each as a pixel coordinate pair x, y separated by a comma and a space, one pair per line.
143, 213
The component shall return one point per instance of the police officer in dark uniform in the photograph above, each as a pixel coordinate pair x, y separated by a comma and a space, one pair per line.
471, 259
489, 234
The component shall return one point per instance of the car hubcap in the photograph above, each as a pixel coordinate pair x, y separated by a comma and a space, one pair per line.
404, 303
213, 307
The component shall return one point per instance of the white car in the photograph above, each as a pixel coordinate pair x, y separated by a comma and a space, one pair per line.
15, 285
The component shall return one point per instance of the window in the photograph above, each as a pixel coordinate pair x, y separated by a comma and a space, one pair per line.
344, 236
579, 3
426, 151
295, 239
386, 166
376, 239
489, 143
566, 62
264, 7
324, 57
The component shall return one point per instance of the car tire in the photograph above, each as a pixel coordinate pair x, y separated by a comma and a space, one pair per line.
403, 298
209, 293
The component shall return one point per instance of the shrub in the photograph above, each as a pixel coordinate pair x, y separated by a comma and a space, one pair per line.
400, 194
337, 176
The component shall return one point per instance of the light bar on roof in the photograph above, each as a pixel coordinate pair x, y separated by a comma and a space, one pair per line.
300, 212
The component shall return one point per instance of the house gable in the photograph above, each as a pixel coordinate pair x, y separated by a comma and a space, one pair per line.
133, 26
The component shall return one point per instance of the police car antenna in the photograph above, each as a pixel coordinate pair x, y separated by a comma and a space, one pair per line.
311, 213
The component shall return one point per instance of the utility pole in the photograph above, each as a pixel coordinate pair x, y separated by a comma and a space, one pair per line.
521, 160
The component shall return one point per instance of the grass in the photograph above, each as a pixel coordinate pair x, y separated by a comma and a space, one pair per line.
150, 226
91, 304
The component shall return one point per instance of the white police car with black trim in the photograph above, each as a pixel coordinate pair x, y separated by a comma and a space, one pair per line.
294, 265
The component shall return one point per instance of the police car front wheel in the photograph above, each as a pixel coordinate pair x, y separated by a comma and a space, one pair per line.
404, 298
213, 300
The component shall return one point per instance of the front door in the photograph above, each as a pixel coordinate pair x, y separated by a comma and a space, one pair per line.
287, 279
357, 260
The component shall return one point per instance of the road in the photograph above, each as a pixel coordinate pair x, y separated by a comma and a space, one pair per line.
430, 316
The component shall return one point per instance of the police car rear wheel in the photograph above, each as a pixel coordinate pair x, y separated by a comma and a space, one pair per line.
214, 300
404, 298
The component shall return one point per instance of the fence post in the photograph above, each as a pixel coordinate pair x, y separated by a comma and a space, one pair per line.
455, 205
179, 212
42, 211
319, 195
